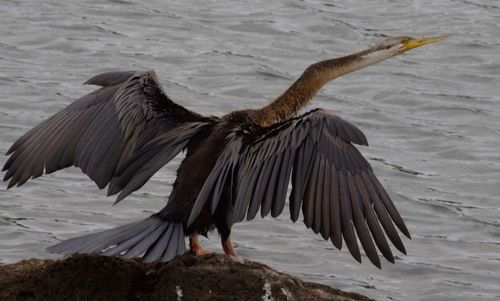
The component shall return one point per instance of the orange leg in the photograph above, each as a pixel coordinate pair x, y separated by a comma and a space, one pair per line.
227, 245
195, 247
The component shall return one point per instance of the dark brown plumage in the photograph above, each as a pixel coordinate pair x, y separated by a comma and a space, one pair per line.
235, 166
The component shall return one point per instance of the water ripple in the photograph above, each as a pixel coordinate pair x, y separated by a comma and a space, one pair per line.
432, 118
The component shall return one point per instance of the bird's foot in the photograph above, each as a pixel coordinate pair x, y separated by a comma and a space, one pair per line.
227, 246
195, 247
200, 251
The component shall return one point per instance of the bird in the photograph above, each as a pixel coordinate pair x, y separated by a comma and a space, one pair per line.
235, 165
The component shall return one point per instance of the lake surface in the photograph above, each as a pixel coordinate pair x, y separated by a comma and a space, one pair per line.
432, 118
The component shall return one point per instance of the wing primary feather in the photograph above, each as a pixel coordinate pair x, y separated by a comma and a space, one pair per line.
219, 186
23, 139
371, 219
27, 152
383, 216
360, 224
37, 161
393, 212
7, 166
269, 194
258, 196
304, 166
310, 194
297, 193
248, 158
62, 143
87, 144
243, 184
282, 186
100, 175
325, 203
346, 217
243, 198
106, 141
318, 198
67, 149
335, 224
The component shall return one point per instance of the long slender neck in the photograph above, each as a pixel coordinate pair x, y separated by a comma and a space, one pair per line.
300, 93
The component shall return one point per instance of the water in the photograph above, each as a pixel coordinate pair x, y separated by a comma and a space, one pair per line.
432, 118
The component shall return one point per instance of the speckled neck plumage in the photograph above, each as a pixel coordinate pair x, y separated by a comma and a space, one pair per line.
301, 92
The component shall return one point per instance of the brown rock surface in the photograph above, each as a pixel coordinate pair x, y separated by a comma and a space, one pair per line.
203, 278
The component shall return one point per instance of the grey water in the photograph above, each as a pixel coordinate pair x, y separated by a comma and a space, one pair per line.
432, 118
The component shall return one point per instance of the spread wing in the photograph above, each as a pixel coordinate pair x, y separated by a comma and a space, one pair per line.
106, 133
331, 181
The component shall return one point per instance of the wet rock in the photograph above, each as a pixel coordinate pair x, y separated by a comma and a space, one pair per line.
203, 278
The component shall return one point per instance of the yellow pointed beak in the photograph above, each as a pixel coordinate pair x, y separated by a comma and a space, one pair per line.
417, 42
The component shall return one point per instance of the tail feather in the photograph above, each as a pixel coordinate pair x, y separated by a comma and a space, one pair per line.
103, 240
146, 244
152, 239
160, 246
96, 241
181, 247
172, 251
131, 242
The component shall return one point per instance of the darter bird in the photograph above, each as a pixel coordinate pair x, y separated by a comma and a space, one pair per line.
235, 165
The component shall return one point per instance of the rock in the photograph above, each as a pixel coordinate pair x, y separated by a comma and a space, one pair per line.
202, 278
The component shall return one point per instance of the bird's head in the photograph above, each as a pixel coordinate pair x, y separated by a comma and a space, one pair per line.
394, 46
399, 45
386, 49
